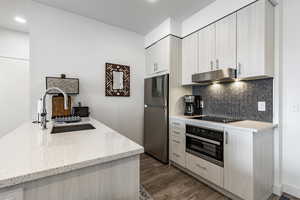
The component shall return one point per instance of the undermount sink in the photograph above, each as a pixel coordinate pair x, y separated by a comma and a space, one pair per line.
71, 128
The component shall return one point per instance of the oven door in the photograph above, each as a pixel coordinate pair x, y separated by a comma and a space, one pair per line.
206, 149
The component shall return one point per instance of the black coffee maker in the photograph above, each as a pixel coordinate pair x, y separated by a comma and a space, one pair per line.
193, 105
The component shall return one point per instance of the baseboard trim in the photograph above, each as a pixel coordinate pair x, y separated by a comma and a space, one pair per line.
292, 190
277, 189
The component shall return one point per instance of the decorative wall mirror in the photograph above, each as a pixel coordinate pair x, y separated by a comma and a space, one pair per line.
117, 80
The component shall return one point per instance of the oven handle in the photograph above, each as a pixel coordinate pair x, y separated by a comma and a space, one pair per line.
203, 139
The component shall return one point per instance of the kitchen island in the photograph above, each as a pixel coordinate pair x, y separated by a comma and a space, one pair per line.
89, 164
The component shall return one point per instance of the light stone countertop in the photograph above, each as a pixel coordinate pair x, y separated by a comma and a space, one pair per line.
29, 153
247, 125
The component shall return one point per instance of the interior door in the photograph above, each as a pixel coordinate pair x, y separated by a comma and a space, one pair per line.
226, 42
156, 132
207, 49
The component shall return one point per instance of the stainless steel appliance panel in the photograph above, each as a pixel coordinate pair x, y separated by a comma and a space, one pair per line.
156, 132
156, 117
156, 90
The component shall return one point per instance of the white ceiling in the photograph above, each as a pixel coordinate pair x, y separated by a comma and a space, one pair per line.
11, 8
139, 16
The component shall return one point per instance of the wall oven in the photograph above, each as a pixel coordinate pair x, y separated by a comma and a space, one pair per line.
205, 143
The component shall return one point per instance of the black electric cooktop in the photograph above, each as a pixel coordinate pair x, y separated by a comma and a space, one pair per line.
217, 119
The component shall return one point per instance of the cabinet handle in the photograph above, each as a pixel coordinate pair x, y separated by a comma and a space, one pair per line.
199, 166
176, 132
239, 68
176, 155
217, 63
176, 141
211, 65
226, 137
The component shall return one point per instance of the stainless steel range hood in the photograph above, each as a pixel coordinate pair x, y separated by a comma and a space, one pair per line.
221, 75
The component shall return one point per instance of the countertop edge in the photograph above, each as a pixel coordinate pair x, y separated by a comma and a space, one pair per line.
272, 126
65, 169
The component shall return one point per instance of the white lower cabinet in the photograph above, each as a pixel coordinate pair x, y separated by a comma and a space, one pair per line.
12, 195
177, 142
178, 150
248, 163
205, 169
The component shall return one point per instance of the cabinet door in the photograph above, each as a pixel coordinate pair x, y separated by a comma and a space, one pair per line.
149, 61
163, 54
189, 58
226, 42
251, 40
238, 163
207, 49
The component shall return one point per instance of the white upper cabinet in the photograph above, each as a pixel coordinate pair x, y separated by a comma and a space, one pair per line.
255, 40
158, 57
226, 42
189, 58
207, 49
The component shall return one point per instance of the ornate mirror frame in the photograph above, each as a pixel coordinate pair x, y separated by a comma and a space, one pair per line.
123, 73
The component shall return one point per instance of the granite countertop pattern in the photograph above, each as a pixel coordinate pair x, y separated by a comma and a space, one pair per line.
247, 125
29, 153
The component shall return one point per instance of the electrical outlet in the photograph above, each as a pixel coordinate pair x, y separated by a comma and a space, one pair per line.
296, 108
262, 106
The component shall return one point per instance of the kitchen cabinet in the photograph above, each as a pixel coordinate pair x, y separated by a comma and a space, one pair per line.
177, 142
226, 42
158, 57
243, 40
207, 49
189, 58
12, 195
248, 163
255, 40
205, 169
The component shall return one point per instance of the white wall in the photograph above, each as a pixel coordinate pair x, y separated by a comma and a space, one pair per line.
211, 13
291, 98
63, 42
14, 79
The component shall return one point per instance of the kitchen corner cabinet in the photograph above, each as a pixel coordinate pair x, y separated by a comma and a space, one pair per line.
255, 40
189, 58
248, 163
158, 57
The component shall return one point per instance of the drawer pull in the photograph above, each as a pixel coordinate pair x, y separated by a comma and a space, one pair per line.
176, 141
176, 132
176, 123
199, 166
176, 155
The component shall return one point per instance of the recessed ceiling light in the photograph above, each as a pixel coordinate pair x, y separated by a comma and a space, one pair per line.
152, 1
20, 20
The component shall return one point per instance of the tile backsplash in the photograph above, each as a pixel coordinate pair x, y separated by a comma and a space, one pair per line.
238, 99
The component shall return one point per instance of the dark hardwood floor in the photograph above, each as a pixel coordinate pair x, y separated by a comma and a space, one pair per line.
166, 182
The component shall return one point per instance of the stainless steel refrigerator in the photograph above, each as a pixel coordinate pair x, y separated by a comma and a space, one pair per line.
156, 117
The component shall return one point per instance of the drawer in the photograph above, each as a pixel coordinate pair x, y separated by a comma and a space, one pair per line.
205, 169
177, 150
177, 125
177, 132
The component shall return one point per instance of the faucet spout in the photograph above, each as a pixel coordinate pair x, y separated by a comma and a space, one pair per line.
44, 113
